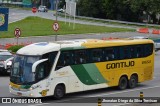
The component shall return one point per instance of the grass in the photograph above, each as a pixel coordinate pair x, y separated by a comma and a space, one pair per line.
36, 26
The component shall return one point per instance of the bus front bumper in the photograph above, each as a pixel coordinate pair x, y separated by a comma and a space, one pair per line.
27, 93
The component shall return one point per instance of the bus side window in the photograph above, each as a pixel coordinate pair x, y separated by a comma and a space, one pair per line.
80, 57
64, 60
132, 52
96, 55
109, 54
148, 49
125, 53
139, 52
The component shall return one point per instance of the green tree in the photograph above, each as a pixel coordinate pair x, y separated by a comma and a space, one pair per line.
128, 10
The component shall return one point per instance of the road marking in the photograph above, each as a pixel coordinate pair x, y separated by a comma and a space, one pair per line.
39, 104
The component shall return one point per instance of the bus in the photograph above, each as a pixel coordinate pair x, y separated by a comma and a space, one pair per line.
61, 67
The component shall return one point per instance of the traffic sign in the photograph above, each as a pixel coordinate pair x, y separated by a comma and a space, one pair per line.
34, 9
55, 26
17, 32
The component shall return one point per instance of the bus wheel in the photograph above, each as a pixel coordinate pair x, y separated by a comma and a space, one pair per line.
133, 81
59, 92
122, 83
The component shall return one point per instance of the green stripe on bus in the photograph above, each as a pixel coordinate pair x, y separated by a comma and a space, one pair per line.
94, 73
83, 75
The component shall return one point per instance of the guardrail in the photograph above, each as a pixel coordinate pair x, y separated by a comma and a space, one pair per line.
116, 21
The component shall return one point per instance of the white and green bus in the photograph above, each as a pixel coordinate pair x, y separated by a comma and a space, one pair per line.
61, 67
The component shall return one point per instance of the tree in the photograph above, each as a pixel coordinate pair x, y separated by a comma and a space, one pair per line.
128, 10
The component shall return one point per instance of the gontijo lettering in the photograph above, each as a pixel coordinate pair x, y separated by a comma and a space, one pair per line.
120, 65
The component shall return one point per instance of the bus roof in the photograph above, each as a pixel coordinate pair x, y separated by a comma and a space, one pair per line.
45, 47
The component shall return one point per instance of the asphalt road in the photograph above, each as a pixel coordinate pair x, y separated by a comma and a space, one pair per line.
51, 38
17, 14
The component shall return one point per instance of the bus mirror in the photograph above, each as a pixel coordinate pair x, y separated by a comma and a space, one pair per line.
36, 63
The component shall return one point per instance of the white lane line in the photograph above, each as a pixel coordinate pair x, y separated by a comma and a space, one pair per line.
39, 104
100, 95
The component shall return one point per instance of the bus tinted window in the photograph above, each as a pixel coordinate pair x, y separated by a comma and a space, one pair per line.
65, 59
139, 51
109, 54
49, 63
96, 55
80, 57
148, 49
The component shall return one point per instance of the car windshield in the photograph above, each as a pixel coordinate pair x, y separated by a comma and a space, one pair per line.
5, 55
22, 69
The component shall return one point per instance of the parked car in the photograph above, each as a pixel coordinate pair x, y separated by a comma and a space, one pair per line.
5, 61
42, 9
138, 37
61, 10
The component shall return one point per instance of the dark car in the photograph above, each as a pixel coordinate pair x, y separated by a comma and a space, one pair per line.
42, 9
5, 61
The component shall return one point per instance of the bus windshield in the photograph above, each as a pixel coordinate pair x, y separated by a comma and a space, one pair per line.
22, 69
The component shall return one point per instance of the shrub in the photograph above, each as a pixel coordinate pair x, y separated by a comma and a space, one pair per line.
15, 48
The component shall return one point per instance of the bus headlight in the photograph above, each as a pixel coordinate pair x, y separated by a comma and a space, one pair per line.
34, 87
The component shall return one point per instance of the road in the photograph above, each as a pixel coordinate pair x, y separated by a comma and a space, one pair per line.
17, 14
51, 38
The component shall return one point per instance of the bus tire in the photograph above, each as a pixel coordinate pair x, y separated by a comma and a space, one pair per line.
59, 92
123, 82
133, 81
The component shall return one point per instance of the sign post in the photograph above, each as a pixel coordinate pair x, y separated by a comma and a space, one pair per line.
17, 33
55, 27
55, 24
34, 10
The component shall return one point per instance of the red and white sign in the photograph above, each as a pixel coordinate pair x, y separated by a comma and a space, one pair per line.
34, 9
55, 26
17, 32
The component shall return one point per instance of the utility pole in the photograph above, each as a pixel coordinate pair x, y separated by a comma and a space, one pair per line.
42, 2
56, 17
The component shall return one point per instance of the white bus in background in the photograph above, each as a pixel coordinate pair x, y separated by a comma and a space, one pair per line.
57, 68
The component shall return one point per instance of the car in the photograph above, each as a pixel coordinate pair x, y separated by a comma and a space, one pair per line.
42, 9
5, 61
138, 37
61, 10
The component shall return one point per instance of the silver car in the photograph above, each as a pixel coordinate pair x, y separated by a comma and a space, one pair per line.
5, 61
42, 9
